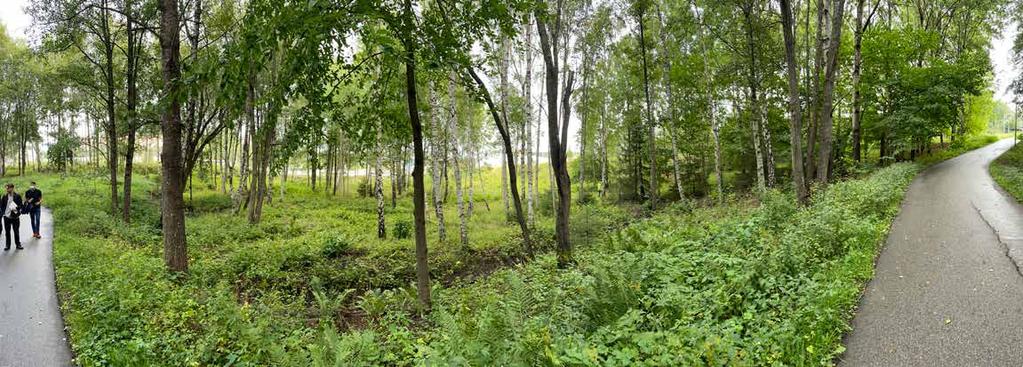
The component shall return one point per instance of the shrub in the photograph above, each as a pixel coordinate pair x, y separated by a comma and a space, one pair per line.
336, 246
402, 229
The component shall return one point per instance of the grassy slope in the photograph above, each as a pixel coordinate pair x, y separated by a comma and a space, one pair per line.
1007, 171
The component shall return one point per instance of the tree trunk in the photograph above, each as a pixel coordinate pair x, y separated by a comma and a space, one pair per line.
419, 187
795, 126
111, 128
132, 99
378, 186
463, 227
857, 113
651, 126
172, 209
824, 165
509, 155
666, 65
527, 91
505, 163
436, 148
765, 172
557, 152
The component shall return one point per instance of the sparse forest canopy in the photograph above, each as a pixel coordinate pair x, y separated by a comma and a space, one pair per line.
410, 181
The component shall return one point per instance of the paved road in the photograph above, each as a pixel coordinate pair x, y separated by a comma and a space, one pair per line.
948, 289
31, 329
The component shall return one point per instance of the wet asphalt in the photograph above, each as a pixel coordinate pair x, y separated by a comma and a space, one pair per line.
31, 328
948, 290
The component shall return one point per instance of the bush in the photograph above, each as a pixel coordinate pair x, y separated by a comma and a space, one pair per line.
336, 246
402, 229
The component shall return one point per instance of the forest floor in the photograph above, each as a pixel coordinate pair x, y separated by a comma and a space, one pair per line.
31, 328
948, 288
755, 281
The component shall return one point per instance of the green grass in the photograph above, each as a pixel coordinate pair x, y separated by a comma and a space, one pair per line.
257, 294
738, 284
1007, 171
750, 282
959, 147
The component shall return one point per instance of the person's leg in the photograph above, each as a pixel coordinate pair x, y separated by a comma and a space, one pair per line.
7, 234
16, 223
34, 217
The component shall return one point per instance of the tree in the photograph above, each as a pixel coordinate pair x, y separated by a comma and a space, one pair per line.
172, 208
795, 114
830, 78
557, 132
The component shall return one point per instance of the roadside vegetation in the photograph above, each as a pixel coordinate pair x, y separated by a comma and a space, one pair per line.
1007, 171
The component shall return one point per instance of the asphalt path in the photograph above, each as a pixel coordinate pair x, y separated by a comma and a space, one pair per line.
948, 290
31, 328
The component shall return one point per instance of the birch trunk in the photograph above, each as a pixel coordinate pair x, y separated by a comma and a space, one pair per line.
463, 226
438, 204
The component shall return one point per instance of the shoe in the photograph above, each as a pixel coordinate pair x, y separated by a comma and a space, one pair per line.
20, 248
7, 249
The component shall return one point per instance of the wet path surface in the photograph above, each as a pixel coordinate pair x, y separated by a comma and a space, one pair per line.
31, 328
948, 290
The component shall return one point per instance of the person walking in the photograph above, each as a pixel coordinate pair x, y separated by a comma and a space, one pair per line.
11, 204
33, 205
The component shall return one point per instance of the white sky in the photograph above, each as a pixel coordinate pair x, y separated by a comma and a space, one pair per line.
1001, 51
12, 14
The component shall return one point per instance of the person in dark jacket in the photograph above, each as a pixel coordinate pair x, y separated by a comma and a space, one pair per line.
33, 205
10, 204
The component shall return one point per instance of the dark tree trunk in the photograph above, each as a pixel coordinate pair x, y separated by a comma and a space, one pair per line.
111, 127
509, 155
557, 151
419, 186
651, 126
132, 101
795, 127
175, 252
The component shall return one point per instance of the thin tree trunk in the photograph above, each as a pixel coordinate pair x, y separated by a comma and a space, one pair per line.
651, 126
438, 200
455, 159
666, 65
505, 163
378, 186
527, 91
419, 198
795, 126
132, 98
830, 77
502, 129
111, 128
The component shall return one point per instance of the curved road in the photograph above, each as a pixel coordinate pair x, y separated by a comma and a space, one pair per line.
948, 290
31, 328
